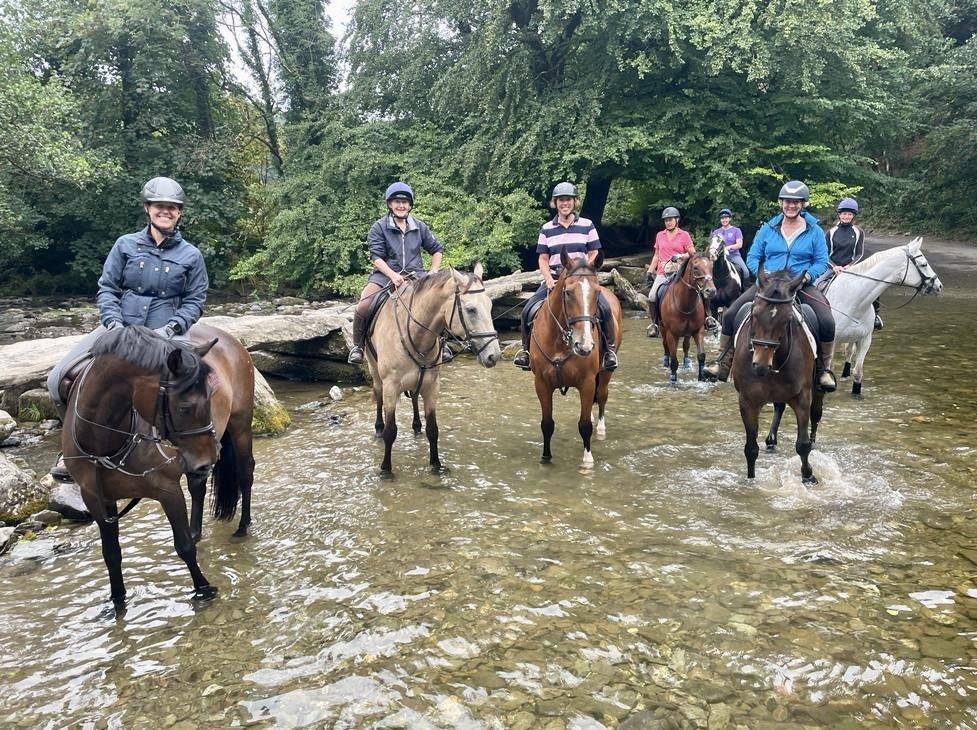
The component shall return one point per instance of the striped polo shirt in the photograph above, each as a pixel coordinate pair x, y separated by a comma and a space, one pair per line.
577, 240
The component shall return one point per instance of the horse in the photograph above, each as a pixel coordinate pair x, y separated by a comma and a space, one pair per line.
404, 348
725, 278
773, 362
682, 312
147, 410
851, 295
564, 350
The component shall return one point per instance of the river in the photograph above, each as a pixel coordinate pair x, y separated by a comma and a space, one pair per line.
663, 589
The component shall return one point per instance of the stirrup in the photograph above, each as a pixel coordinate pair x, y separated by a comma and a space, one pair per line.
878, 323
653, 330
610, 360
521, 360
355, 355
446, 354
60, 471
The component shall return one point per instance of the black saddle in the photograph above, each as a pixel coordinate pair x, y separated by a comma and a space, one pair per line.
806, 311
378, 300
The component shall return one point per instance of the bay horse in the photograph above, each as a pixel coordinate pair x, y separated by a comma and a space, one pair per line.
564, 350
773, 362
404, 347
683, 313
147, 410
725, 278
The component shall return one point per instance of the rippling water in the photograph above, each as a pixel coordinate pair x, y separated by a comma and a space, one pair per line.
505, 593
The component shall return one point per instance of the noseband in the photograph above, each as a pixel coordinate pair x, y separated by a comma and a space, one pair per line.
470, 342
756, 342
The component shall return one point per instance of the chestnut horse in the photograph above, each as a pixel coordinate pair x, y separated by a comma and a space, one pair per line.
564, 350
773, 363
404, 350
148, 410
683, 313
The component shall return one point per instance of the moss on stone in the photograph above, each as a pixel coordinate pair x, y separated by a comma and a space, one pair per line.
32, 507
270, 420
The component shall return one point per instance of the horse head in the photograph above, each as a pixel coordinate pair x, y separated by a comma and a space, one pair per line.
771, 315
698, 274
579, 288
925, 278
183, 408
471, 317
717, 249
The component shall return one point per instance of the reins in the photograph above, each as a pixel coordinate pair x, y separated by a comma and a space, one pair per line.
565, 328
925, 282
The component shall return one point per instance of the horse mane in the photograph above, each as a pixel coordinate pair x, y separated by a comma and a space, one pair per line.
145, 349
864, 264
432, 280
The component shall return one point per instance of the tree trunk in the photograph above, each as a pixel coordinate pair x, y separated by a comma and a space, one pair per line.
598, 188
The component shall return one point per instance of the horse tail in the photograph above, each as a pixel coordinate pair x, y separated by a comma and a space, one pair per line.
226, 480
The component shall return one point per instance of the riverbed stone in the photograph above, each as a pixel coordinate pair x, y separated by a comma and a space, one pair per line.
628, 295
20, 493
46, 517
7, 537
7, 425
937, 648
65, 499
270, 417
306, 367
36, 405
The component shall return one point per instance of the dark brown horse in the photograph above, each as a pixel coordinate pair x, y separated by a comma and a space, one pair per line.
564, 351
145, 412
683, 313
773, 363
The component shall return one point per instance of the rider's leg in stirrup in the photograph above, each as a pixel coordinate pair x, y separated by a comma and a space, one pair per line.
607, 334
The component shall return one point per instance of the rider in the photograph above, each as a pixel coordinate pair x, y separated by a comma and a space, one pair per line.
671, 245
395, 242
790, 240
846, 245
733, 241
154, 278
578, 237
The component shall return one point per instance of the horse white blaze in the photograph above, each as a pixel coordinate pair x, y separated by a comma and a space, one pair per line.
588, 337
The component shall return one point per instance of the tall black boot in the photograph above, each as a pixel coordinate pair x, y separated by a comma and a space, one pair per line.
609, 359
359, 338
521, 360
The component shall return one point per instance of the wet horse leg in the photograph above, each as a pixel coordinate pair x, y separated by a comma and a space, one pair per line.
244, 467
197, 486
850, 350
802, 410
778, 413
817, 408
378, 397
112, 552
861, 352
416, 423
603, 381
700, 352
431, 389
390, 393
171, 498
686, 363
671, 344
585, 426
545, 394
750, 413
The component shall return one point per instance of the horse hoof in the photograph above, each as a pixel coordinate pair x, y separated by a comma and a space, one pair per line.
205, 593
810, 481
386, 473
546, 460
438, 469
772, 446
588, 460
240, 532
686, 364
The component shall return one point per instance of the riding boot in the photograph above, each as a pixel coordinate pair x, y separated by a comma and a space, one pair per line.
719, 370
446, 354
878, 320
607, 336
60, 471
521, 360
826, 378
653, 311
359, 337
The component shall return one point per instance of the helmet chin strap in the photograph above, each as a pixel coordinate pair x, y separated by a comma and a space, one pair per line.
166, 232
400, 217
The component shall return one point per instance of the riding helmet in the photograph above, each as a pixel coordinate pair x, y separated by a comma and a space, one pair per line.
399, 191
794, 190
848, 204
725, 211
163, 190
564, 190
670, 212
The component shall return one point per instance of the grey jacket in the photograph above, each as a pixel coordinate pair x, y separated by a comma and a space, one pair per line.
150, 285
401, 251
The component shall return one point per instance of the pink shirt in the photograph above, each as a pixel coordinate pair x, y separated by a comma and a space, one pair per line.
667, 246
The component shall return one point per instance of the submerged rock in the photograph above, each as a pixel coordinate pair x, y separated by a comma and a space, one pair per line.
270, 417
7, 425
20, 493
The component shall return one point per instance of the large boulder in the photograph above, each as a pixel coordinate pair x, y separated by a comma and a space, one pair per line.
629, 297
36, 405
298, 367
270, 416
7, 425
65, 499
20, 494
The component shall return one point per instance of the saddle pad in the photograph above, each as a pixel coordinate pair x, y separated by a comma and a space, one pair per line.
535, 308
802, 318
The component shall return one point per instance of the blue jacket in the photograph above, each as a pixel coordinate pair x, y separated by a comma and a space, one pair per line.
809, 252
401, 251
142, 283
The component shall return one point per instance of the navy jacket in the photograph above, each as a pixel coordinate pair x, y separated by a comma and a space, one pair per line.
150, 285
809, 252
401, 251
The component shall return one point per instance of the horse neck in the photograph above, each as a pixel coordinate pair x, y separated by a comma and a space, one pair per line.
890, 270
111, 389
427, 316
720, 270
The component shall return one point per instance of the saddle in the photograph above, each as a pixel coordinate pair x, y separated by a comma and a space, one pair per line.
803, 313
378, 301
72, 371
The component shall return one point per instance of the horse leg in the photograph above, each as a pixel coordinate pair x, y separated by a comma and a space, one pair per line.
860, 355
778, 413
416, 423
802, 411
603, 381
700, 353
378, 397
197, 486
171, 498
817, 408
390, 425
686, 362
585, 426
431, 389
244, 467
849, 355
672, 358
545, 394
751, 420
112, 553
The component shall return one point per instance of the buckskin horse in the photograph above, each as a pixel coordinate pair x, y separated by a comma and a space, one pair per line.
564, 351
682, 312
147, 410
404, 347
773, 362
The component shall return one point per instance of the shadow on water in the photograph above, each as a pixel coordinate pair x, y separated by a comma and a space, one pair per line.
506, 593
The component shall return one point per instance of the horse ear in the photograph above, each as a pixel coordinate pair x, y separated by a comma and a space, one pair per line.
478, 270
798, 281
203, 349
599, 261
174, 361
564, 258
761, 277
916, 244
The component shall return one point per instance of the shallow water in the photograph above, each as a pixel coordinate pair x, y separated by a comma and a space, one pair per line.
505, 593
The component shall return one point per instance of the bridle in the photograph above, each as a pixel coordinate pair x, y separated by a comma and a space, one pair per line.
470, 342
774, 345
698, 285
926, 284
566, 326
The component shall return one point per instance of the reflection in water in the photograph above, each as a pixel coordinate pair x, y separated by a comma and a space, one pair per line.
505, 593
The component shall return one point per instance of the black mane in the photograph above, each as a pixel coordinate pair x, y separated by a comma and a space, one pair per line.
145, 349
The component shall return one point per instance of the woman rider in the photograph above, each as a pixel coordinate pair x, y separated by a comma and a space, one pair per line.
670, 244
395, 243
846, 245
790, 240
153, 278
733, 241
578, 237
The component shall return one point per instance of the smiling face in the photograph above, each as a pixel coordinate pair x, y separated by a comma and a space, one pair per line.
791, 208
564, 205
164, 216
400, 207
671, 224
